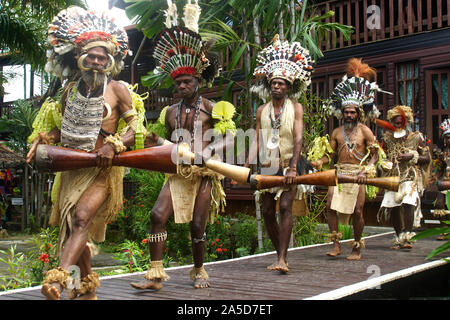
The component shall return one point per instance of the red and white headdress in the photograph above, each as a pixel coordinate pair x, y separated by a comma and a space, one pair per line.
284, 60
74, 31
180, 50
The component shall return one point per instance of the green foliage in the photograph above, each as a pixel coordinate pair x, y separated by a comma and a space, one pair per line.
27, 269
43, 256
24, 26
17, 269
434, 232
20, 125
305, 227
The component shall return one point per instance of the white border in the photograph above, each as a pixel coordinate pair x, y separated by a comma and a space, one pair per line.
374, 282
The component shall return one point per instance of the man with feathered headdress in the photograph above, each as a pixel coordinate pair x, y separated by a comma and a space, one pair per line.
355, 148
410, 158
96, 115
195, 193
284, 72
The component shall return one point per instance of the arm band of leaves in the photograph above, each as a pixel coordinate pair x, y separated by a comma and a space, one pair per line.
116, 142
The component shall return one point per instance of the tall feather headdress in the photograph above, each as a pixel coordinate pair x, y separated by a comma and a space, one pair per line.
357, 88
288, 61
73, 31
180, 50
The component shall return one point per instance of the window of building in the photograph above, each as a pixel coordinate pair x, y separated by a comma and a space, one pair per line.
407, 88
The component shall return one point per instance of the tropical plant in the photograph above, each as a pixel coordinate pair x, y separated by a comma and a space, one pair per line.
240, 29
17, 270
19, 124
26, 269
24, 26
434, 232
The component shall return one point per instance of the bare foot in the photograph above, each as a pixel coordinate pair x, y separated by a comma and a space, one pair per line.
51, 291
355, 255
147, 284
406, 245
336, 251
282, 267
442, 236
201, 283
272, 266
87, 296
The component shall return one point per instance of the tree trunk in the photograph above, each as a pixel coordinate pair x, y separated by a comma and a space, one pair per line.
280, 22
292, 7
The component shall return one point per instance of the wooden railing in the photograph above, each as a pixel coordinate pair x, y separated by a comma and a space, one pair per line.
376, 20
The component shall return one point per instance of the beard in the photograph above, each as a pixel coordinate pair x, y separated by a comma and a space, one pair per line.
93, 80
350, 124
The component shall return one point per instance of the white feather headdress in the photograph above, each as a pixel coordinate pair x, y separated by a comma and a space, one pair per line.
288, 61
180, 50
73, 31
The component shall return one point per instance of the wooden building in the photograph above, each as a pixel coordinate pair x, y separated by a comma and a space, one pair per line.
406, 41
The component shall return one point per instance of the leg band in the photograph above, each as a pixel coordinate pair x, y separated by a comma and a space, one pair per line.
202, 239
157, 237
58, 275
335, 236
156, 271
198, 273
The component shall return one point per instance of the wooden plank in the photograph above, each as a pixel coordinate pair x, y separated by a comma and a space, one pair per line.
410, 17
358, 30
419, 15
400, 19
448, 13
382, 19
391, 19
374, 30
349, 20
429, 15
366, 30
311, 274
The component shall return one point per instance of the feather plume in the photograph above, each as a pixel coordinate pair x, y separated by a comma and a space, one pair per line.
356, 68
403, 116
385, 125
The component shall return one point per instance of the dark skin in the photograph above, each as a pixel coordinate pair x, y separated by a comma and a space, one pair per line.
76, 251
187, 87
408, 210
280, 233
363, 138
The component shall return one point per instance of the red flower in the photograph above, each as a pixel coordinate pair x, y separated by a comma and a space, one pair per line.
212, 243
224, 249
142, 205
217, 240
219, 250
44, 258
144, 240
218, 222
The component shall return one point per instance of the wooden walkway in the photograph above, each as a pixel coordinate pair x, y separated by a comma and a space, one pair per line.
312, 275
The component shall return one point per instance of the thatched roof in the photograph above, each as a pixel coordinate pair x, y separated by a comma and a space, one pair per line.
9, 158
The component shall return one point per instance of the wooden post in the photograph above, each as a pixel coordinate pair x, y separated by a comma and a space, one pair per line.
258, 222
